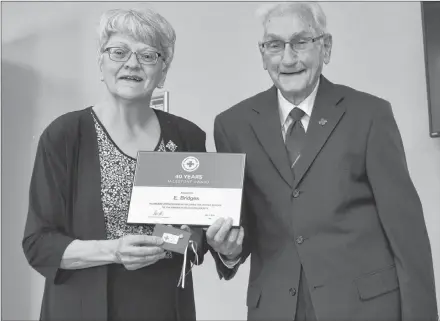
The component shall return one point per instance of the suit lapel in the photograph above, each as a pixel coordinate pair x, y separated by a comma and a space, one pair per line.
325, 116
266, 124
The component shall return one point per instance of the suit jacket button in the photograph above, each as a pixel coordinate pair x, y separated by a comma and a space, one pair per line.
292, 291
295, 193
299, 239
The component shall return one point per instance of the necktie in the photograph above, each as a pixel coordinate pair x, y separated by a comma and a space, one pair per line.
295, 136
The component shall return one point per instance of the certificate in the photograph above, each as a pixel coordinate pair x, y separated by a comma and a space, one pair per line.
186, 188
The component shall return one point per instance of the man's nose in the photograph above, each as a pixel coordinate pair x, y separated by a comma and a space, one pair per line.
290, 56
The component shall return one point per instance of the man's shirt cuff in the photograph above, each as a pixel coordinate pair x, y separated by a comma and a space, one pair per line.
230, 264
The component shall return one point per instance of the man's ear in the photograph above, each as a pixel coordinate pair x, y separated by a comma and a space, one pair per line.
328, 42
262, 55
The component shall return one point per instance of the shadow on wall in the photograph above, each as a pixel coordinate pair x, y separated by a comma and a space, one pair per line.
20, 86
37, 87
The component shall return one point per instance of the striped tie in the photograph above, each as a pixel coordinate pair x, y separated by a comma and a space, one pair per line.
295, 136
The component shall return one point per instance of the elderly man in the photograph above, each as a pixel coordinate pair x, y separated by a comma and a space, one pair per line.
330, 214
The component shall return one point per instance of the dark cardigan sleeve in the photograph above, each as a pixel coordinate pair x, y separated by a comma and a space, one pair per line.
45, 238
198, 143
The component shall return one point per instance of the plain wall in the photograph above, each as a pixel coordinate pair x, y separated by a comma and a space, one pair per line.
49, 67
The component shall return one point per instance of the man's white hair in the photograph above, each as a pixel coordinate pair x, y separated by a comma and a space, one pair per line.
266, 11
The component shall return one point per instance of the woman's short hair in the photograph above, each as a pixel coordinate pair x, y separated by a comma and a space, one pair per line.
143, 25
278, 9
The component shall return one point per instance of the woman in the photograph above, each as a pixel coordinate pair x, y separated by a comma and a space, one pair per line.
96, 266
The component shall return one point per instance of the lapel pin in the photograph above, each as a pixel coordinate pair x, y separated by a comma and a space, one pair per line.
322, 121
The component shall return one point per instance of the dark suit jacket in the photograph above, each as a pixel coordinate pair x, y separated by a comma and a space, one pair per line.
352, 217
65, 204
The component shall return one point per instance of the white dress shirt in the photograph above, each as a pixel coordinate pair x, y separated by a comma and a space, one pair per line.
284, 108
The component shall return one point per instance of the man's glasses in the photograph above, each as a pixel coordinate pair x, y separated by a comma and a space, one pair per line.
123, 55
277, 46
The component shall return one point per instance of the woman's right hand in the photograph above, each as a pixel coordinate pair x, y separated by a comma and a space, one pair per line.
138, 251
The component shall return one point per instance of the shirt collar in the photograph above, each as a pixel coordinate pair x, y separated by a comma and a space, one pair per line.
285, 106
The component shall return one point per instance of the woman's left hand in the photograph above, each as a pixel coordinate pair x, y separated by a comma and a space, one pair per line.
138, 251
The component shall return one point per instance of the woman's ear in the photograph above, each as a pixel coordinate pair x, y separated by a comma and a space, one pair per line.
161, 82
164, 76
100, 61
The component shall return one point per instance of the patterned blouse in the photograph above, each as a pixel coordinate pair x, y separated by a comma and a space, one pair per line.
117, 176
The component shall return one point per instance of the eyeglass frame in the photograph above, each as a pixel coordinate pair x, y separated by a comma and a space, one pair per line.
131, 53
292, 44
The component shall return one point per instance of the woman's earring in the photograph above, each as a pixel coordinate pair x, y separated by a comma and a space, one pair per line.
102, 78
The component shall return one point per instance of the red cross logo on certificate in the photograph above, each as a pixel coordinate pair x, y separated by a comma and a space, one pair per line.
190, 164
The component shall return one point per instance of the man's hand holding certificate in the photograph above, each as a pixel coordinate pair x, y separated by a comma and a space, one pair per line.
225, 239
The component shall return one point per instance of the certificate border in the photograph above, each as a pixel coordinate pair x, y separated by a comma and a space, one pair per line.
240, 217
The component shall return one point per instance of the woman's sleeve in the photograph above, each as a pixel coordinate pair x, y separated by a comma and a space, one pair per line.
45, 236
199, 141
